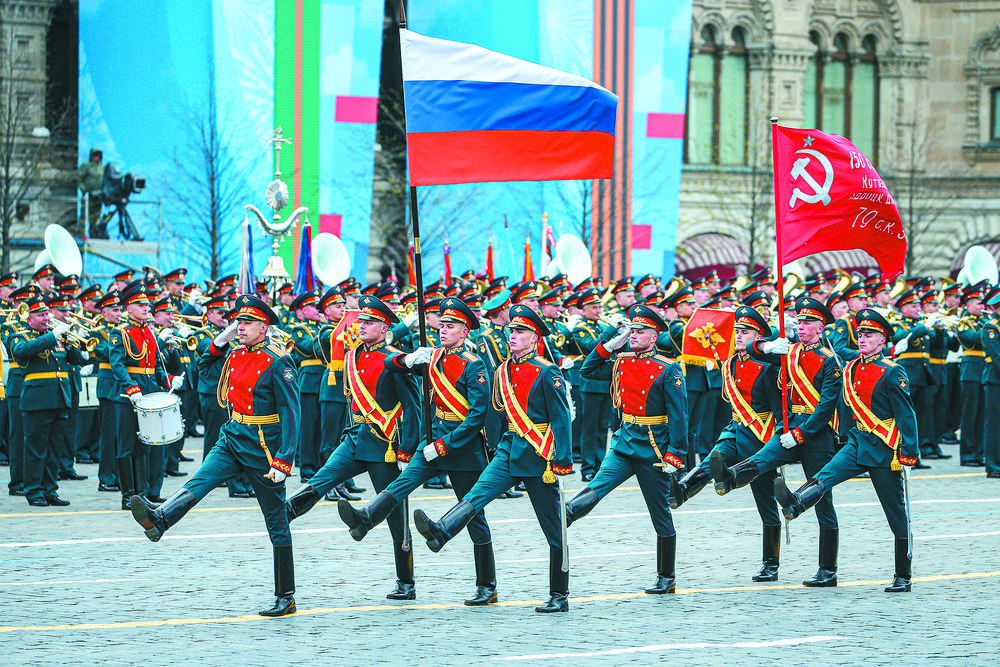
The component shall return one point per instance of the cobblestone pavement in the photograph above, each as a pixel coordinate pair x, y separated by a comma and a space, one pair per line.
83, 586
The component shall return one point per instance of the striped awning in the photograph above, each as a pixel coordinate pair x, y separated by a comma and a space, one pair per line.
848, 260
710, 250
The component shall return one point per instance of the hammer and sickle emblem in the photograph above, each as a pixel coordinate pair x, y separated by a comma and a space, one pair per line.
820, 193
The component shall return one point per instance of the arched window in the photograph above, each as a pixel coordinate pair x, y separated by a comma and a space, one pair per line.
717, 114
841, 91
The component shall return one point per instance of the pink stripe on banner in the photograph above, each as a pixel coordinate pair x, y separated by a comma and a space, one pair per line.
665, 126
330, 223
356, 109
642, 237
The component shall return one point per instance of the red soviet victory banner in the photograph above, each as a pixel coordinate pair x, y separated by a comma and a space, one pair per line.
828, 196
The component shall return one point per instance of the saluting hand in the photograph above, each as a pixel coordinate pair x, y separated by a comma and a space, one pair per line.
227, 335
617, 341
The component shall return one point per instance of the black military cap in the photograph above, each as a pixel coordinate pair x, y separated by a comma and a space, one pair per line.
110, 300
92, 292
623, 285
332, 296
909, 296
8, 279
868, 319
522, 317
374, 310
135, 292
644, 317
748, 318
812, 309
24, 293
455, 310
175, 276
683, 295
525, 290
648, 279
387, 291
251, 307
43, 271
307, 298
758, 298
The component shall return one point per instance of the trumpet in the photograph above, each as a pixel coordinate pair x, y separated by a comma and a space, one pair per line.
191, 342
90, 323
81, 342
21, 310
281, 337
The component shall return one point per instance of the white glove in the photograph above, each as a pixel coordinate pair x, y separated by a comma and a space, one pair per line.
85, 371
184, 332
430, 452
85, 355
409, 320
166, 334
901, 347
573, 321
177, 382
60, 329
620, 320
932, 320
787, 440
668, 467
617, 341
135, 398
776, 346
421, 355
401, 465
276, 475
566, 363
227, 335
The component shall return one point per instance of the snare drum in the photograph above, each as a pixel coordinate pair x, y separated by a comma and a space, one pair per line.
160, 421
88, 392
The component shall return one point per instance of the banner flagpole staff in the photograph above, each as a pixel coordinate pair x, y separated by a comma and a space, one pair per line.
780, 279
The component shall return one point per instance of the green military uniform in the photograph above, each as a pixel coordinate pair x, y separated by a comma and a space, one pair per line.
915, 362
12, 405
45, 403
970, 330
311, 373
493, 350
991, 387
595, 396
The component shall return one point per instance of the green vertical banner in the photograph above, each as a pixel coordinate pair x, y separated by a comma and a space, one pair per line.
296, 109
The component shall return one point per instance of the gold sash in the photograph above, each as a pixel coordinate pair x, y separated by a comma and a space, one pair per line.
762, 425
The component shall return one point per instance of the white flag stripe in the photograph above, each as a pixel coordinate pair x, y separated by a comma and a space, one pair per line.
431, 59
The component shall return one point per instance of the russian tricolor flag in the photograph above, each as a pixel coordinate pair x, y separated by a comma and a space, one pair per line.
475, 115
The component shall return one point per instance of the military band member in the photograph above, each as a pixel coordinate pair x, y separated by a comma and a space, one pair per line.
165, 461
107, 393
536, 448
624, 298
44, 278
59, 308
384, 423
914, 357
595, 394
8, 283
700, 403
970, 329
883, 439
138, 367
45, 399
304, 331
461, 395
174, 281
258, 440
652, 442
285, 297
844, 338
15, 381
751, 387
991, 389
814, 381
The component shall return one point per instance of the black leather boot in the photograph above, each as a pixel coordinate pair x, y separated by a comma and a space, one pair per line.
157, 518
438, 534
666, 553
340, 492
140, 474
727, 479
682, 488
301, 502
558, 585
794, 504
826, 576
284, 583
405, 588
126, 481
901, 582
580, 505
360, 521
486, 576
772, 546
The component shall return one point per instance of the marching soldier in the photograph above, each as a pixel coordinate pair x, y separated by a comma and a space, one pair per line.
384, 423
884, 439
461, 395
991, 389
701, 407
304, 331
844, 338
45, 400
88, 425
59, 309
814, 380
174, 281
258, 439
536, 448
751, 387
595, 394
107, 394
178, 361
914, 357
649, 389
970, 329
138, 367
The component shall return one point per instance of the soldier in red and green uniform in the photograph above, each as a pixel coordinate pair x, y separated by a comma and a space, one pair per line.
751, 387
304, 332
649, 390
884, 439
536, 448
384, 423
461, 395
259, 388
